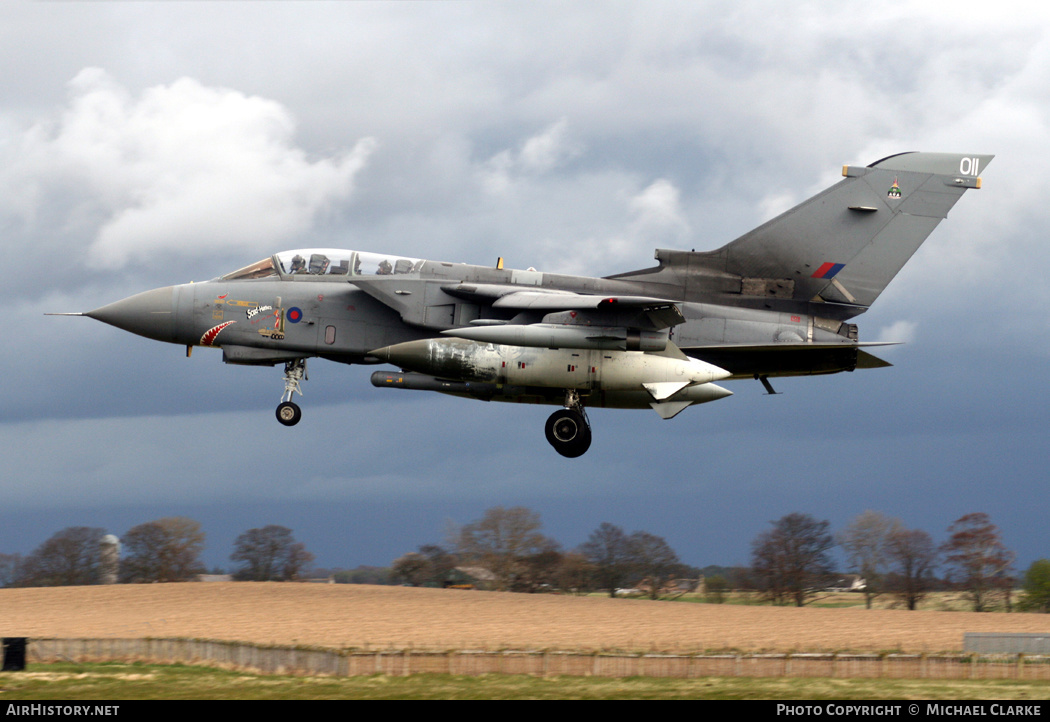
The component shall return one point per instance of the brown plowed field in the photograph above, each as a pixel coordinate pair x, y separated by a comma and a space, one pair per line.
346, 615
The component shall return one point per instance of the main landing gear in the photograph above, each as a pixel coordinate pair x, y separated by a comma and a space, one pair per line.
289, 413
567, 429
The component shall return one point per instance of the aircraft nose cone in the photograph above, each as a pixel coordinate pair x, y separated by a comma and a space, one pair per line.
150, 314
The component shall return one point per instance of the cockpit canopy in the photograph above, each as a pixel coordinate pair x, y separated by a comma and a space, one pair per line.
326, 262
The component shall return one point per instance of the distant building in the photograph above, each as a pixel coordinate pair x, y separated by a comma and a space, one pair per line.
469, 578
848, 583
214, 577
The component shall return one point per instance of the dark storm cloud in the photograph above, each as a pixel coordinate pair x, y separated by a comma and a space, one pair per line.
149, 144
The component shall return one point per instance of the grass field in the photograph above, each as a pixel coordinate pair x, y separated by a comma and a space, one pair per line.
115, 681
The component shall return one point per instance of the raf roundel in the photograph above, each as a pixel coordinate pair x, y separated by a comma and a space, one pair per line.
295, 314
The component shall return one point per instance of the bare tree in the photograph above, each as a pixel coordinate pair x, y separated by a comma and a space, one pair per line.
575, 573
864, 542
427, 567
441, 562
69, 558
411, 569
269, 554
977, 560
620, 559
297, 561
608, 550
768, 568
653, 560
912, 557
790, 561
164, 550
539, 571
501, 540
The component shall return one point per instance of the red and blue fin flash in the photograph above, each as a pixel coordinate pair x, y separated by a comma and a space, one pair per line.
828, 270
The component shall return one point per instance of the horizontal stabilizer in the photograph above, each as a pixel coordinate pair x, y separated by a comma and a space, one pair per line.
784, 359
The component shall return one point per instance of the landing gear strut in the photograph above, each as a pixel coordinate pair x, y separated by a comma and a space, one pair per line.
289, 413
567, 429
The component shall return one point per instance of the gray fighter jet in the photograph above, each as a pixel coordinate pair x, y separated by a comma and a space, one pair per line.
774, 302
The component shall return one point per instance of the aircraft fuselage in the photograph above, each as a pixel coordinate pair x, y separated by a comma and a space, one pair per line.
266, 321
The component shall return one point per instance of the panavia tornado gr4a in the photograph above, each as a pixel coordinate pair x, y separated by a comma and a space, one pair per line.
775, 302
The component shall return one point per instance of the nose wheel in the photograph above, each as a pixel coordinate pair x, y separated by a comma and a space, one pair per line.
289, 413
568, 430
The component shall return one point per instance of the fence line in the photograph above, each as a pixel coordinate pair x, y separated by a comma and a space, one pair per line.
272, 659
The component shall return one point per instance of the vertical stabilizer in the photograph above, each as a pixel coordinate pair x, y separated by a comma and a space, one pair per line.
844, 245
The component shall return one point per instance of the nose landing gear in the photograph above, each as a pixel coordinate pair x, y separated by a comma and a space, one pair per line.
567, 429
289, 413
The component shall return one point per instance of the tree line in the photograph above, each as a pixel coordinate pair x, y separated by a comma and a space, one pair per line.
506, 550
163, 550
790, 562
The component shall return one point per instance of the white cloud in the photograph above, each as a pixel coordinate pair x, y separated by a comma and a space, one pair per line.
179, 169
775, 204
658, 207
625, 224
538, 155
548, 149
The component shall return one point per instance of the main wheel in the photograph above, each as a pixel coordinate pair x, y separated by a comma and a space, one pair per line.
289, 413
568, 432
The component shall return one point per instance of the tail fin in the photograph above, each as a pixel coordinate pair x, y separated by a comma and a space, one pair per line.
844, 245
